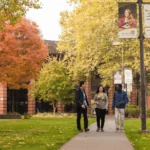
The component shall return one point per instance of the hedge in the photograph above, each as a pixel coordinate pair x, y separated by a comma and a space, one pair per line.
132, 111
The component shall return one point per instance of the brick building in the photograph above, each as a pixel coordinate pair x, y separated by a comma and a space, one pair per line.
21, 102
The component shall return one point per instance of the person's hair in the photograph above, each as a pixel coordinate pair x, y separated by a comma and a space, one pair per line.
97, 91
130, 15
119, 87
81, 83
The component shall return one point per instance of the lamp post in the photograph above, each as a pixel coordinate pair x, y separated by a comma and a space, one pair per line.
142, 70
141, 38
123, 78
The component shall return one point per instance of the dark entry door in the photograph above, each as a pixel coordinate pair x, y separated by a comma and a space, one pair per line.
17, 100
43, 106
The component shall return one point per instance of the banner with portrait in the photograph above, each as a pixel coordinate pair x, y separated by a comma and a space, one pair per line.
127, 21
118, 77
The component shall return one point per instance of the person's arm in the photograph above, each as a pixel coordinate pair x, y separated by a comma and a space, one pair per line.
95, 99
114, 102
86, 100
126, 98
106, 101
78, 98
121, 22
133, 25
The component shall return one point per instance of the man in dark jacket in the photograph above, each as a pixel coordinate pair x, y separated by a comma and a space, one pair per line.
120, 100
82, 104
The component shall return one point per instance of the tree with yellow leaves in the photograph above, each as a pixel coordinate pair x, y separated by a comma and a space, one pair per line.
13, 10
87, 34
87, 37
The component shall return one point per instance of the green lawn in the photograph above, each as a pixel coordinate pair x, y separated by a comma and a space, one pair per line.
140, 141
37, 133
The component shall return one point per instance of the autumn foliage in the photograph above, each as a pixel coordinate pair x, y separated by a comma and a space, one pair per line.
22, 52
14, 10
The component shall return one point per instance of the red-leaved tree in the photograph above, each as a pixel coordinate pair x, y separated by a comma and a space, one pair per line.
22, 53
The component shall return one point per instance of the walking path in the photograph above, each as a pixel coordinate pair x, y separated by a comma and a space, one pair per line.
107, 140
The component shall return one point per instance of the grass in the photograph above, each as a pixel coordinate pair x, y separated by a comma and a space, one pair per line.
140, 141
37, 133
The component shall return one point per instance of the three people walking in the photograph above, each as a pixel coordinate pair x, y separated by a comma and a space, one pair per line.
120, 99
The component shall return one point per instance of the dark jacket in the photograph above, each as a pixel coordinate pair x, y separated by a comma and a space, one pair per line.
120, 99
79, 98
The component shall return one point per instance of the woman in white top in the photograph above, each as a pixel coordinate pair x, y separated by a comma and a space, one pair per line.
101, 101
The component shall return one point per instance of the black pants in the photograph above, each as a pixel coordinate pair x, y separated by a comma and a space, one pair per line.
84, 112
100, 117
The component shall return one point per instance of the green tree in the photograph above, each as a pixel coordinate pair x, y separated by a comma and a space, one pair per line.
53, 83
14, 10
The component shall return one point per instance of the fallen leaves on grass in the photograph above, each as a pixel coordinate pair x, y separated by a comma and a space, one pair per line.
22, 143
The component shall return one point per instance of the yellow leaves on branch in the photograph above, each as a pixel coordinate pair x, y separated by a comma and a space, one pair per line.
14, 10
85, 35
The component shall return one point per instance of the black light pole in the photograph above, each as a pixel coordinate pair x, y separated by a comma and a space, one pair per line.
141, 38
123, 71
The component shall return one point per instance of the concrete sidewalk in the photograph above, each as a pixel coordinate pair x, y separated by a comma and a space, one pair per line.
107, 140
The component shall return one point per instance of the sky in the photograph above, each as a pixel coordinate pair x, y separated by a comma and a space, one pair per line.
48, 17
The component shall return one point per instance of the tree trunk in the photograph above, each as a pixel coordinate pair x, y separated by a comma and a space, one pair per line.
54, 107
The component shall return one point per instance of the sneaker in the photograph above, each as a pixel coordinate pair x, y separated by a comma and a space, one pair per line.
86, 130
121, 130
117, 129
97, 129
102, 130
80, 130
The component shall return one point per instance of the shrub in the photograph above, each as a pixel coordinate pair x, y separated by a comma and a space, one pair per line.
148, 112
126, 113
26, 116
132, 111
132, 106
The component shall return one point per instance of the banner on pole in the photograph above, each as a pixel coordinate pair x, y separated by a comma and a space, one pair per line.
147, 32
118, 77
127, 1
128, 76
129, 87
127, 20
147, 20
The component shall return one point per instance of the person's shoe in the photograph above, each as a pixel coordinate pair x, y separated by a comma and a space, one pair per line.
86, 130
80, 130
117, 129
97, 129
121, 130
102, 130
